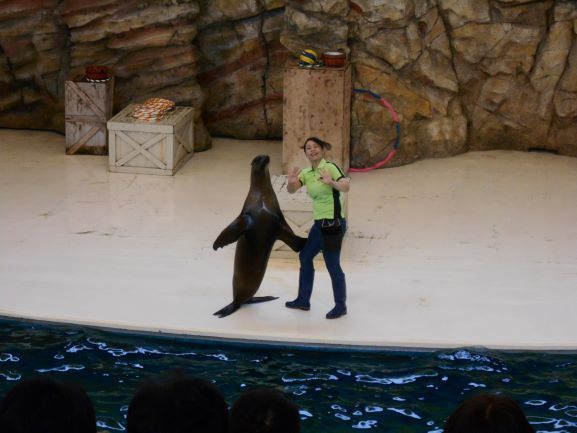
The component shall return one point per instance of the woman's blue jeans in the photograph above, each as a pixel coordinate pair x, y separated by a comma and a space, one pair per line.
332, 256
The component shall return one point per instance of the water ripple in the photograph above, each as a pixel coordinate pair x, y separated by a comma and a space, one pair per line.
308, 377
10, 375
464, 355
119, 352
406, 412
78, 348
564, 423
540, 420
61, 368
393, 380
106, 425
370, 409
366, 424
553, 431
220, 356
469, 368
129, 364
98, 344
535, 402
8, 357
145, 351
369, 379
298, 390
560, 407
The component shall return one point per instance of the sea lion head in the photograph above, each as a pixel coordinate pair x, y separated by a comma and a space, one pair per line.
260, 163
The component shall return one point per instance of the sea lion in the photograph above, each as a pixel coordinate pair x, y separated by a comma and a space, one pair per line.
256, 229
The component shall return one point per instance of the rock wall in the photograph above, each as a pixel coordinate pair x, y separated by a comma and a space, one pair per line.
149, 45
242, 67
463, 74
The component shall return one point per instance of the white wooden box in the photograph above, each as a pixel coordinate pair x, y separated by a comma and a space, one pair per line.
297, 209
87, 107
150, 147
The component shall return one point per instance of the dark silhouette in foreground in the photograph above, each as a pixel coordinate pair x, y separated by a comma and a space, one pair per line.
44, 405
264, 410
488, 413
177, 405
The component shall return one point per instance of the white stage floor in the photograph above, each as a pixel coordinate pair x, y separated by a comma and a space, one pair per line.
475, 250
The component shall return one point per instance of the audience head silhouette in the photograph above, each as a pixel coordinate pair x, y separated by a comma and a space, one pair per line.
44, 405
264, 410
488, 414
177, 405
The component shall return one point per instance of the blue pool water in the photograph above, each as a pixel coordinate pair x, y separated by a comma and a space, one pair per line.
336, 391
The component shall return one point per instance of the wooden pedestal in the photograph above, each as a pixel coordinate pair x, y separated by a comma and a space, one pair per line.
87, 108
317, 102
150, 147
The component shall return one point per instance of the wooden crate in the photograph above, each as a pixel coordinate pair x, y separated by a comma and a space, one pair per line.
297, 209
87, 107
317, 102
150, 147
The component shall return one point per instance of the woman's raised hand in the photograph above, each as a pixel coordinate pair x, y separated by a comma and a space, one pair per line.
294, 175
293, 183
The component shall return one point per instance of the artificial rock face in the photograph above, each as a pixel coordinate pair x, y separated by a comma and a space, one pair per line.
149, 45
242, 70
462, 74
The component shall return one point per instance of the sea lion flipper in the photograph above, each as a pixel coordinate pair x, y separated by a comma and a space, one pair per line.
295, 243
229, 309
232, 232
257, 299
